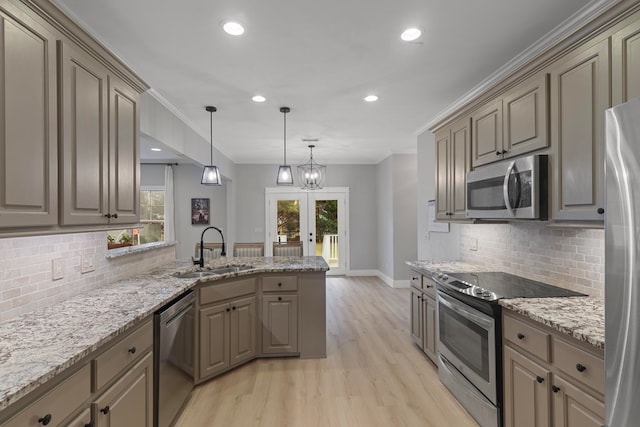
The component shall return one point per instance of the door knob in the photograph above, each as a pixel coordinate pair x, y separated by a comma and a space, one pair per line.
45, 420
539, 379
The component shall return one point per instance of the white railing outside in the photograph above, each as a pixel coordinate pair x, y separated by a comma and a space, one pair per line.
330, 248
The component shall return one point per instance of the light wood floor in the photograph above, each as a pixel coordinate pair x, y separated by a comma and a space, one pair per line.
373, 374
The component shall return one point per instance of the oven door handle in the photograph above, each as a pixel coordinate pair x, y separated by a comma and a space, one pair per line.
484, 321
505, 188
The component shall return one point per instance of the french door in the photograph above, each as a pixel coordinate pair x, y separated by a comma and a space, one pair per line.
317, 219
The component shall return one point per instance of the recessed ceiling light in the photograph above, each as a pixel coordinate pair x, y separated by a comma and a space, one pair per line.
156, 149
233, 28
259, 98
371, 98
411, 34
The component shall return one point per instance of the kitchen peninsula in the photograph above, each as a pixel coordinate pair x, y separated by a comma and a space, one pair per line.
59, 345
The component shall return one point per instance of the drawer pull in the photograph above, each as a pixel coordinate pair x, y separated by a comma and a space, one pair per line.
132, 350
45, 420
520, 336
555, 388
105, 410
233, 308
279, 298
539, 379
228, 309
414, 279
581, 368
279, 283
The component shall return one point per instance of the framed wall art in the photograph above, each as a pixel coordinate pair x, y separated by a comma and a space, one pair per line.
200, 211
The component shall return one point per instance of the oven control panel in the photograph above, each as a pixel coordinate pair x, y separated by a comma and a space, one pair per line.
466, 287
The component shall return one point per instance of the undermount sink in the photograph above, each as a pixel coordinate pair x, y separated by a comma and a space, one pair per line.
218, 270
231, 269
193, 274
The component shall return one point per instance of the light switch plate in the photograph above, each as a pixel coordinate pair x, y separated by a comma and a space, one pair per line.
88, 263
57, 266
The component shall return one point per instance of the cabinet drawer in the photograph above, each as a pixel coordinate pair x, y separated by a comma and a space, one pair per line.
58, 403
429, 287
223, 291
579, 364
279, 283
121, 355
527, 337
416, 280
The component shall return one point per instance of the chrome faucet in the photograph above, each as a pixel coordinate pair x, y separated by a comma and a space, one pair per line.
200, 262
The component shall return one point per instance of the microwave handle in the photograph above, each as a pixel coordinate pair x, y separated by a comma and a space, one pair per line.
505, 188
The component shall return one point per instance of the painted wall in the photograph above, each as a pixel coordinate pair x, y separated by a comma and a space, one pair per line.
186, 185
251, 180
404, 213
432, 245
384, 210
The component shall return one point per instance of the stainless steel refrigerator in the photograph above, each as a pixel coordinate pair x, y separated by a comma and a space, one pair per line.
622, 265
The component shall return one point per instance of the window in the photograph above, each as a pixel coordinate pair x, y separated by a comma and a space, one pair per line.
151, 216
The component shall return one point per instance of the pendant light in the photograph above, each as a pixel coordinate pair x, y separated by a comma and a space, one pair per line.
285, 177
210, 173
312, 174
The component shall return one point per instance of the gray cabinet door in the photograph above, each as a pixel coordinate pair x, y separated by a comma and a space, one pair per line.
84, 159
124, 181
416, 317
28, 122
279, 324
486, 145
460, 164
429, 327
573, 407
242, 343
443, 175
626, 62
526, 391
129, 402
525, 110
579, 97
214, 340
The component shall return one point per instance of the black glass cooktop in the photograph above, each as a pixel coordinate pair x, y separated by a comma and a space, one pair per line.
505, 285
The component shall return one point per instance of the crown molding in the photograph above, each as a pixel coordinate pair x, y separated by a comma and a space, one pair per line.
560, 33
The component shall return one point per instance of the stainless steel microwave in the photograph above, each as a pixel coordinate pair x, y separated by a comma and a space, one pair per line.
512, 189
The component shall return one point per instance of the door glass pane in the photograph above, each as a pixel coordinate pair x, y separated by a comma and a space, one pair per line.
326, 231
288, 221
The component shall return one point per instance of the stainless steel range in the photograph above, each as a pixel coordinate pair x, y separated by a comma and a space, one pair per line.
470, 328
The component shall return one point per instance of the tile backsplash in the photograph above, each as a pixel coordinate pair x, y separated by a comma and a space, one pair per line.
571, 258
26, 268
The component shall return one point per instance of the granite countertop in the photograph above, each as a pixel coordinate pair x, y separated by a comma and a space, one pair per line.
431, 267
580, 317
38, 345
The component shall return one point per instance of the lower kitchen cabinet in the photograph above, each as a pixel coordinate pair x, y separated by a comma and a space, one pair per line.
423, 315
129, 402
279, 324
526, 391
563, 387
227, 335
573, 407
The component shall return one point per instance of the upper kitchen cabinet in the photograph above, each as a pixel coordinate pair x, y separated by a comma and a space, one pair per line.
453, 161
512, 125
69, 125
84, 160
28, 127
579, 96
626, 61
100, 143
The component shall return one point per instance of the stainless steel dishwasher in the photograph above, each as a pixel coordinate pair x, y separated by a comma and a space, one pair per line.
173, 355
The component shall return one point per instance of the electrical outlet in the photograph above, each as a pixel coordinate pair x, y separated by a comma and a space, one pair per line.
474, 245
88, 263
57, 266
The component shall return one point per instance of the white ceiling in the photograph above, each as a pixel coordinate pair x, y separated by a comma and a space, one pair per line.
320, 58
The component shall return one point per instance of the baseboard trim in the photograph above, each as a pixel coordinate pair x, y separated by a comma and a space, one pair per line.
386, 279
